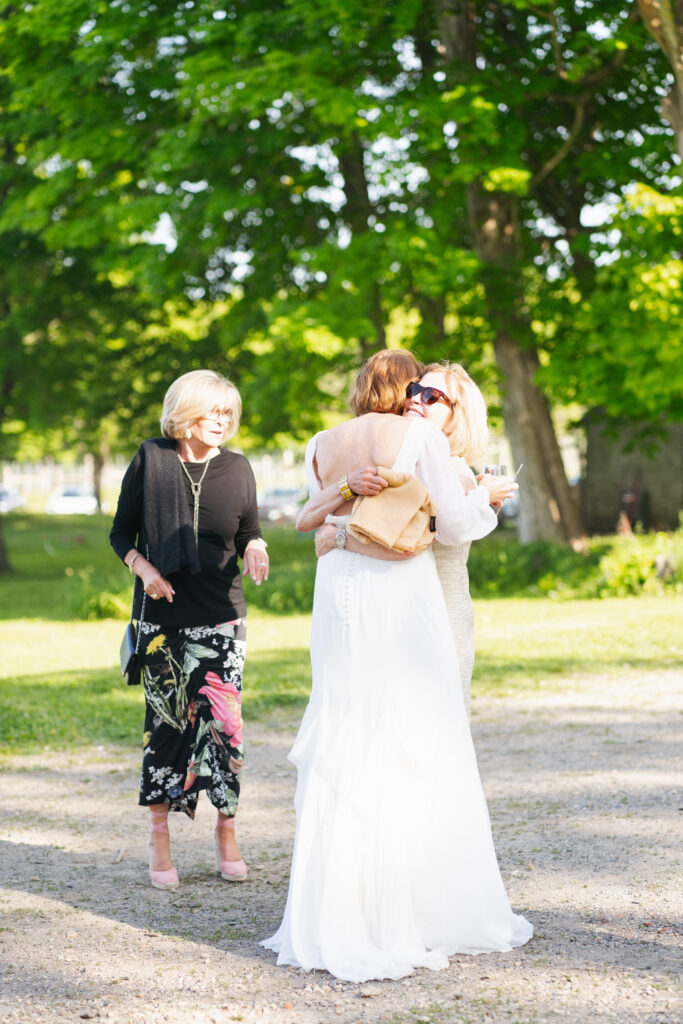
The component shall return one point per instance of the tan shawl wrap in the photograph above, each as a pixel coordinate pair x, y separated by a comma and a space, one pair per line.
401, 517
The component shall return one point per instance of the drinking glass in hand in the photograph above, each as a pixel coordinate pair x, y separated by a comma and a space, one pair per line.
497, 469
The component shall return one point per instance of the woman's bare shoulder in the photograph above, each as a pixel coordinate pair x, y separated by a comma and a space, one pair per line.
382, 422
368, 423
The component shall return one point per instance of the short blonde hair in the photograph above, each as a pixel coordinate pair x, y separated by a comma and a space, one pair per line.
467, 428
381, 382
194, 395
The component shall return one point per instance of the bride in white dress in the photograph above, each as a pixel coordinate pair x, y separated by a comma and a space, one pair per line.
394, 865
467, 435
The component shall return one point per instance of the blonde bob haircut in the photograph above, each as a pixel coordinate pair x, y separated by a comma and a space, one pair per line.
196, 394
467, 427
381, 382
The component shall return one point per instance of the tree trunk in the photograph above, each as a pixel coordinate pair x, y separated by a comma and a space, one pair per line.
97, 468
664, 21
548, 510
100, 456
547, 507
6, 388
358, 210
5, 564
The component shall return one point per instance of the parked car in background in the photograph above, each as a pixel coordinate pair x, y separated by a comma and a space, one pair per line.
281, 504
9, 500
71, 500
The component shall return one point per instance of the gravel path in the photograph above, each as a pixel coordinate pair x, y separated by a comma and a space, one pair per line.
582, 789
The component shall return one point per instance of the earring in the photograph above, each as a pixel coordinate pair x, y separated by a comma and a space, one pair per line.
188, 433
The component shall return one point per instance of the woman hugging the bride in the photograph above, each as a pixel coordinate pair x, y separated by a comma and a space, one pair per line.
394, 865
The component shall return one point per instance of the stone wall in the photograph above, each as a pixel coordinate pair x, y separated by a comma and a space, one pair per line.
644, 478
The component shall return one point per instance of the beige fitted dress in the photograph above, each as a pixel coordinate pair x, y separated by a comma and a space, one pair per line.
451, 568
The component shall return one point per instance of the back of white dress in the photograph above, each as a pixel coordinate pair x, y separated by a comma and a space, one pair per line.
384, 751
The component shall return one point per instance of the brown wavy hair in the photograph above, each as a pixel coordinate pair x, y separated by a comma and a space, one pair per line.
381, 382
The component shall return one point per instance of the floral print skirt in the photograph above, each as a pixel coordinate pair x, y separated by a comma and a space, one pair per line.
193, 715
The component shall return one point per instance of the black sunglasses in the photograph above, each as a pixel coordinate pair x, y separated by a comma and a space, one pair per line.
428, 396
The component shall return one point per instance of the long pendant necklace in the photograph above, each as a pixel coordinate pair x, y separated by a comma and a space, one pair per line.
196, 491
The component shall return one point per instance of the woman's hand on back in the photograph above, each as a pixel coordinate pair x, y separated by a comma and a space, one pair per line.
366, 480
325, 542
363, 480
324, 539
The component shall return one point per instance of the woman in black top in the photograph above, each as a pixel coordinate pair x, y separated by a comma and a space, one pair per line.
186, 512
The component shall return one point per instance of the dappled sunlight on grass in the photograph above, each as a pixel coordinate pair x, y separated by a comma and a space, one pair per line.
60, 684
526, 643
64, 709
34, 647
278, 678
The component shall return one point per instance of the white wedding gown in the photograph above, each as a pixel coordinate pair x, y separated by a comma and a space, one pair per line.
394, 865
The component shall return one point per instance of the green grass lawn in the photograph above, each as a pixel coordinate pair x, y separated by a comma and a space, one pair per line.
527, 643
59, 680
60, 686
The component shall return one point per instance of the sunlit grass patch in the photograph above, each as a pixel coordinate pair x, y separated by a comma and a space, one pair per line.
60, 685
522, 642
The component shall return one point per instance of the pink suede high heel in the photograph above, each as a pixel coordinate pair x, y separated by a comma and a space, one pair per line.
230, 870
162, 879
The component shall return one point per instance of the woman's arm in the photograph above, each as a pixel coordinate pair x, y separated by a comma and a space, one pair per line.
126, 528
324, 542
128, 518
459, 518
363, 480
249, 542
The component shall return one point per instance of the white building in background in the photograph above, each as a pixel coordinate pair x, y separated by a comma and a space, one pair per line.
36, 481
282, 471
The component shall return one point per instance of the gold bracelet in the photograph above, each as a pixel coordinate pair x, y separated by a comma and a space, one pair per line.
344, 489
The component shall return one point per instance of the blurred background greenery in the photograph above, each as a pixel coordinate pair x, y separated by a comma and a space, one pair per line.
278, 190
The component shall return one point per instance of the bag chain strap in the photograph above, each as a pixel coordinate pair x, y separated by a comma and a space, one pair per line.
142, 609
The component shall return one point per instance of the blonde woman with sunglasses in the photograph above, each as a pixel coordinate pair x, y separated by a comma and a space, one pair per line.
394, 865
467, 431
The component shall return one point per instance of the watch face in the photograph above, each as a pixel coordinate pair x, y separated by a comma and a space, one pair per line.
340, 539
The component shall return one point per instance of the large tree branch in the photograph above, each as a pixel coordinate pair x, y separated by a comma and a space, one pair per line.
664, 21
574, 132
590, 83
352, 166
551, 17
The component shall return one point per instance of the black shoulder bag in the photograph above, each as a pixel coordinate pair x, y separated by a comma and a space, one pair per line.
131, 662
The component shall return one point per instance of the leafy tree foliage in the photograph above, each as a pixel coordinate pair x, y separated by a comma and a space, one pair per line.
322, 174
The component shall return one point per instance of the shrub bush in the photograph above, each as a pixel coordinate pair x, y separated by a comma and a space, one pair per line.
647, 564
86, 582
500, 566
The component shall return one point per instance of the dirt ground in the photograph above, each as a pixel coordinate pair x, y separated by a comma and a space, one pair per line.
584, 793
